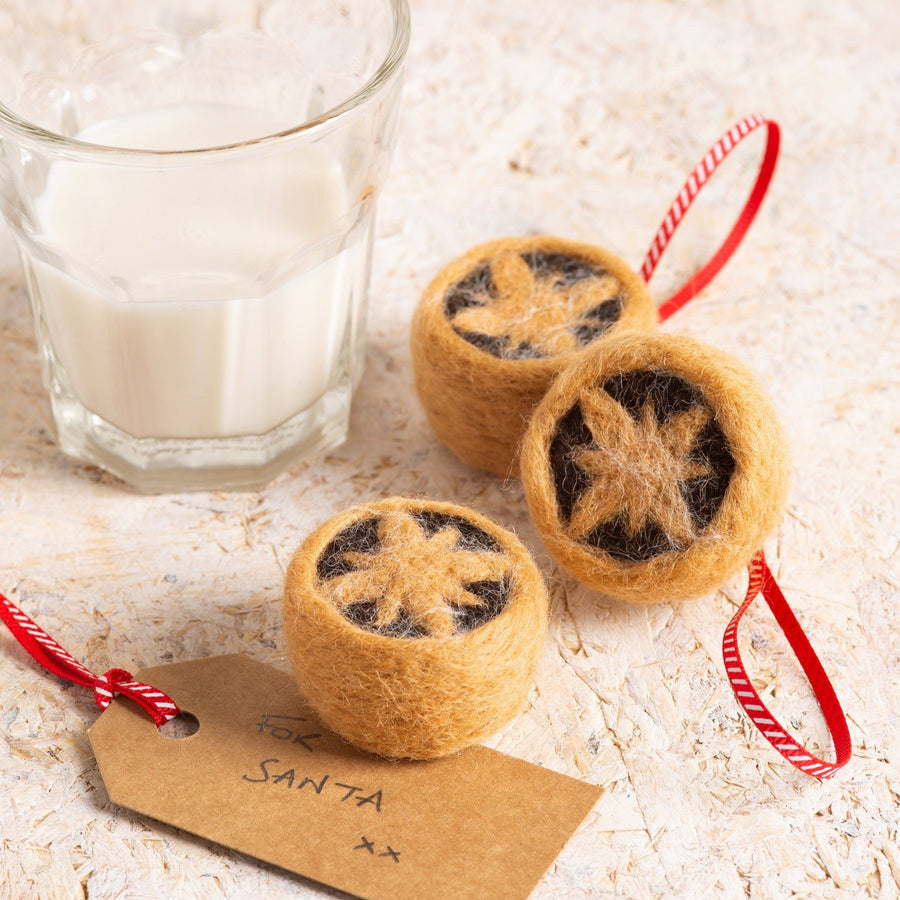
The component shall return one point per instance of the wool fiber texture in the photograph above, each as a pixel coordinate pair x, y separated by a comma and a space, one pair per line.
497, 325
414, 627
654, 468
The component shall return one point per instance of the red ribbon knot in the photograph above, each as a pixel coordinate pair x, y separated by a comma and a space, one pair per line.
115, 682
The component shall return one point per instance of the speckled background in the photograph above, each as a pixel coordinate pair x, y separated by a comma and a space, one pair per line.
578, 118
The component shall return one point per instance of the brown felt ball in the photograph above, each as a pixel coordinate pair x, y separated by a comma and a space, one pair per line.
654, 468
496, 326
414, 627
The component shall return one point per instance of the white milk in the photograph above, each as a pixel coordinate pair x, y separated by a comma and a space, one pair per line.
183, 313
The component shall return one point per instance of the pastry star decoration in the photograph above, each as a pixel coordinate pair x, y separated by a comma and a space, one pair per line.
412, 573
636, 468
534, 311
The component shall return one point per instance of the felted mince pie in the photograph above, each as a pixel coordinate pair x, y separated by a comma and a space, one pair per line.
414, 626
497, 325
655, 468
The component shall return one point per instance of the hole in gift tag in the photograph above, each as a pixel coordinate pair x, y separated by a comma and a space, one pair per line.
184, 725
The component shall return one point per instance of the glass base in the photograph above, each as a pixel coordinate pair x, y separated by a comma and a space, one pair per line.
245, 463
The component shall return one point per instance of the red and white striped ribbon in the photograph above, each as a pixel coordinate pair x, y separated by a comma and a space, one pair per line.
53, 657
715, 156
762, 582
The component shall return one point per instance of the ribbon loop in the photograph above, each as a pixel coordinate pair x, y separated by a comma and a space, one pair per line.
55, 659
688, 193
762, 582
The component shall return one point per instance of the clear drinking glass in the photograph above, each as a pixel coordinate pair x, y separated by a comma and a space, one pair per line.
192, 187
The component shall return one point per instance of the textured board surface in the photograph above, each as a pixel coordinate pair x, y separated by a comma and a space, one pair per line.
582, 119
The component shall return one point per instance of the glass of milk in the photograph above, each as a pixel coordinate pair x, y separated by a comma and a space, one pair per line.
192, 187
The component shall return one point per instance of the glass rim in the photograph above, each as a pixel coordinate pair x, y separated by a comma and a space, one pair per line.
29, 133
